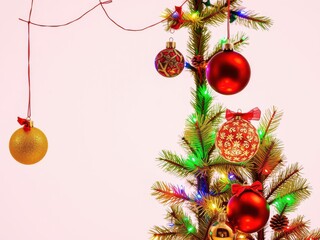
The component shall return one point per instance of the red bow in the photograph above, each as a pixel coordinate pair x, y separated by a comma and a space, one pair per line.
238, 189
177, 18
25, 122
254, 114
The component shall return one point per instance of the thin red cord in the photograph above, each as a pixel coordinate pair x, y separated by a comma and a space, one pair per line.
106, 13
29, 53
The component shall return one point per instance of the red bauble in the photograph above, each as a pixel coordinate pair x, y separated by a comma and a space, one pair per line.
169, 62
237, 139
228, 72
248, 211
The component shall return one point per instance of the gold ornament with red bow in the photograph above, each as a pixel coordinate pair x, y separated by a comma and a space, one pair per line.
28, 145
237, 139
248, 211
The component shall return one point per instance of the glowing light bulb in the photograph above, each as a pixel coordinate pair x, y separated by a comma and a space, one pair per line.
194, 15
213, 206
260, 132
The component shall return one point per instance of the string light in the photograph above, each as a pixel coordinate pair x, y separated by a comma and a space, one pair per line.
171, 225
231, 176
213, 206
191, 229
260, 133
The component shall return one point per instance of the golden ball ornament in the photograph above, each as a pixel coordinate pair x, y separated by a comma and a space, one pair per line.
28, 145
220, 231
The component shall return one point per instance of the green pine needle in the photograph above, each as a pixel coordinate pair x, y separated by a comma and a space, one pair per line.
268, 157
269, 123
173, 163
201, 100
162, 233
252, 20
281, 179
169, 194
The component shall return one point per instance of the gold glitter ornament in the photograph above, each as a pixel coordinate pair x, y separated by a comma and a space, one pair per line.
28, 145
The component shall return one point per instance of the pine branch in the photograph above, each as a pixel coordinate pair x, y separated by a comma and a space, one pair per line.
223, 166
187, 145
218, 13
200, 136
251, 20
201, 101
299, 190
182, 223
270, 122
169, 194
313, 235
162, 233
268, 157
198, 42
216, 115
296, 230
170, 162
290, 174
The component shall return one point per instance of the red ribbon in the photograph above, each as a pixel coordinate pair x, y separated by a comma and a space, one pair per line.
238, 189
178, 19
254, 114
25, 123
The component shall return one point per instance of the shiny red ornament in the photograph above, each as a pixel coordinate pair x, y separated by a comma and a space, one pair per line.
248, 211
237, 139
169, 62
228, 72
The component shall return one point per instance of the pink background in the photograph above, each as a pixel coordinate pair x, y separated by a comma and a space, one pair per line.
107, 113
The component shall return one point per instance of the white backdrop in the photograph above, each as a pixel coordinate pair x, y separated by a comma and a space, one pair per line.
107, 113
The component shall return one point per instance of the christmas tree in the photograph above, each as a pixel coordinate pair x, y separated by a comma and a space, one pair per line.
252, 191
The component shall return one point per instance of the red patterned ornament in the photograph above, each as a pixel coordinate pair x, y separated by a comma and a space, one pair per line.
237, 139
248, 211
169, 62
228, 72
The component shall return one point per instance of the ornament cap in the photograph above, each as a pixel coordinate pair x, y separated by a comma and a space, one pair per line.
222, 217
227, 46
31, 124
171, 43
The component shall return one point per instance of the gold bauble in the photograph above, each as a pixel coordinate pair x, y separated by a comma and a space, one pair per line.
28, 145
221, 231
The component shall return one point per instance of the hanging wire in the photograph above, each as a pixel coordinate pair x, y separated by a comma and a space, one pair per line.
101, 3
29, 67
228, 22
29, 22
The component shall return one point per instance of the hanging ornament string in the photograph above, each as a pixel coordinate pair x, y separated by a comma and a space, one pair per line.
70, 22
101, 3
29, 53
228, 22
